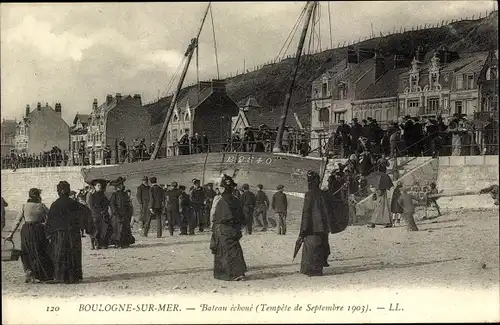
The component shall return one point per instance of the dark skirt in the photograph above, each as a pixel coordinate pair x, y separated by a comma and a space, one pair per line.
35, 251
229, 262
122, 233
315, 252
103, 230
67, 255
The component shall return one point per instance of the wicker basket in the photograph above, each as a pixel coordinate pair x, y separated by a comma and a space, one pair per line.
11, 254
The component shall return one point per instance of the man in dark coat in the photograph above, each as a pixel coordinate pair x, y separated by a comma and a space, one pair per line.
261, 207
188, 222
4, 204
279, 204
314, 229
248, 203
143, 199
198, 201
172, 208
156, 206
355, 131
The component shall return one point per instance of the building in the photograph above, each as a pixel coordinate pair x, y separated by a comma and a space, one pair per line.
119, 117
380, 100
252, 115
488, 88
333, 93
202, 108
446, 85
78, 137
42, 129
8, 134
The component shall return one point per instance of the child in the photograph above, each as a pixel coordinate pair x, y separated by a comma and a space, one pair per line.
432, 202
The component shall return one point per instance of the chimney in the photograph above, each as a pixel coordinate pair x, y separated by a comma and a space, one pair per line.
39, 106
27, 110
94, 104
109, 99
118, 97
58, 109
218, 86
420, 54
399, 61
137, 97
446, 56
379, 66
365, 53
352, 56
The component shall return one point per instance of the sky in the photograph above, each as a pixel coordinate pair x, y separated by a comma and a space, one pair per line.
71, 53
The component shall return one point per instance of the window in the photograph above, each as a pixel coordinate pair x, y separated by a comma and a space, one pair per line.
491, 74
342, 92
434, 79
402, 105
445, 103
324, 92
174, 134
459, 81
432, 106
470, 81
458, 107
324, 115
413, 83
413, 103
338, 116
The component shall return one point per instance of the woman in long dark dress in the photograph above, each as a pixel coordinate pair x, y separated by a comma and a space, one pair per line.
63, 228
229, 263
121, 216
35, 255
314, 229
99, 204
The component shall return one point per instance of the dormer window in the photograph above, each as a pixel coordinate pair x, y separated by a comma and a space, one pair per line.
434, 79
324, 92
491, 73
459, 82
413, 82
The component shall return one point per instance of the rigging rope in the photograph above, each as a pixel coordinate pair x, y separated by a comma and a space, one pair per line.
215, 42
319, 25
169, 85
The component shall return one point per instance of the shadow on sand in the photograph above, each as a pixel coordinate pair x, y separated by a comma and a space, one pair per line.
335, 270
170, 244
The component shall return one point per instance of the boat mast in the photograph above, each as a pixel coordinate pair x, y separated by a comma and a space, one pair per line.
279, 137
189, 54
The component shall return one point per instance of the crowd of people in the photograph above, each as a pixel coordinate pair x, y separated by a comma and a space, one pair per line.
52, 158
414, 137
51, 238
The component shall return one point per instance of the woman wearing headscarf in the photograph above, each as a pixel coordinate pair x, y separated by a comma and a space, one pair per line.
314, 228
229, 263
99, 204
396, 209
63, 228
121, 215
35, 256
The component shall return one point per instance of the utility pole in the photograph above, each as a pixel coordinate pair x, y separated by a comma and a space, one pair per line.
277, 145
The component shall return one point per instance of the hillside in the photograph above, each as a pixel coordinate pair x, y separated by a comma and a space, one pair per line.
269, 84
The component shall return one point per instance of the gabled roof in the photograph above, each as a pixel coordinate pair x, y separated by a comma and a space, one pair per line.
256, 117
464, 60
194, 96
477, 63
84, 118
385, 86
42, 111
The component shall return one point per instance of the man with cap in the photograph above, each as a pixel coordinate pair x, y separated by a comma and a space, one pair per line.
198, 201
188, 222
261, 207
248, 203
156, 206
143, 199
172, 208
280, 206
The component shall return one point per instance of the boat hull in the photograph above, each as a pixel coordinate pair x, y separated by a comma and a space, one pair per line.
267, 169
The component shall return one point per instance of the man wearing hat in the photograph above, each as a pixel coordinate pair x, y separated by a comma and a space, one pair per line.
279, 204
261, 207
156, 205
172, 208
143, 199
248, 203
198, 201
